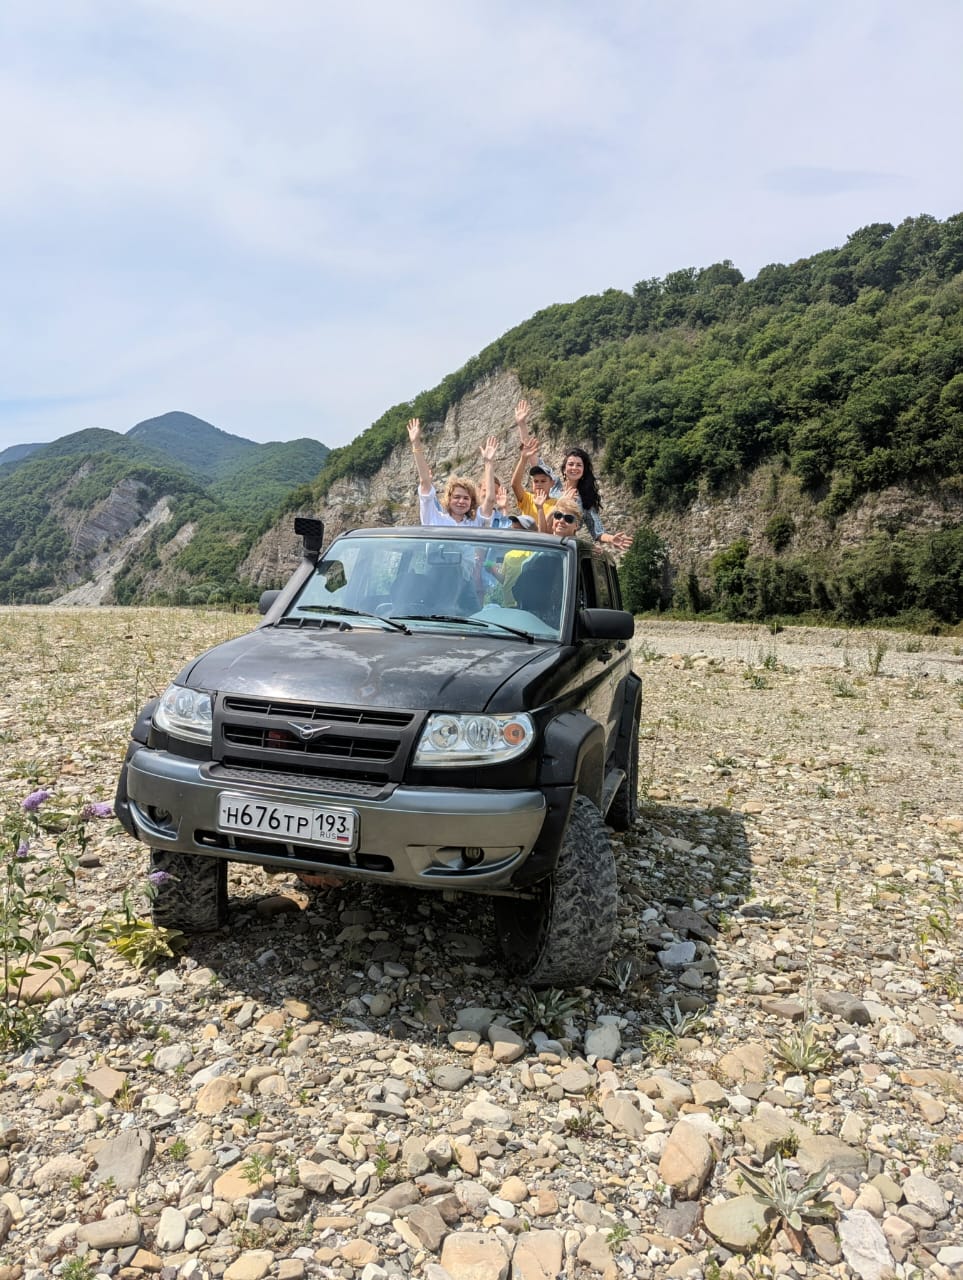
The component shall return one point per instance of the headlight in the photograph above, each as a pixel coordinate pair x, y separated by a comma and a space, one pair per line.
461, 739
184, 713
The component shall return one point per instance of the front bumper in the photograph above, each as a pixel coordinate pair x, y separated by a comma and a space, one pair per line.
416, 836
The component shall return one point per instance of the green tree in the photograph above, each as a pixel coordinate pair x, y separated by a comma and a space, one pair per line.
642, 571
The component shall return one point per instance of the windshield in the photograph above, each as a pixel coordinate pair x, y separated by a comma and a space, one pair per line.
502, 586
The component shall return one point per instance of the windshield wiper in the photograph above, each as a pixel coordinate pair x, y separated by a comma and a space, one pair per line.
350, 613
468, 622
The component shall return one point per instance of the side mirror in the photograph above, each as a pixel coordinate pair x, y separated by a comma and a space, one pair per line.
267, 601
605, 624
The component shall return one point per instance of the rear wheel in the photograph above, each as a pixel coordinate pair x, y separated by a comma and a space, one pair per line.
563, 937
193, 896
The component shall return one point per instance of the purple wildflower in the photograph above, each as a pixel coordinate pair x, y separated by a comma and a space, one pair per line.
98, 810
23, 848
35, 800
159, 877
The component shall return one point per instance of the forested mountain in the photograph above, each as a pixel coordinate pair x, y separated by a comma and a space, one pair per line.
841, 374
849, 364
185, 498
201, 448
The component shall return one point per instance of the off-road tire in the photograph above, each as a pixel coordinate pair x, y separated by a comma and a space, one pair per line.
624, 808
563, 937
194, 899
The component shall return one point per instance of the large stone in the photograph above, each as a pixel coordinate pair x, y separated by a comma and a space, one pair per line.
58, 1170
507, 1045
254, 1264
739, 1223
474, 1255
171, 1229
864, 1245
111, 1233
43, 984
823, 1151
923, 1191
623, 1115
748, 1062
216, 1095
125, 1158
603, 1041
843, 1006
483, 1111
427, 1226
686, 1161
537, 1255
451, 1077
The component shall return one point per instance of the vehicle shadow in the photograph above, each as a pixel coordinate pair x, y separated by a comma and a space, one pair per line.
402, 962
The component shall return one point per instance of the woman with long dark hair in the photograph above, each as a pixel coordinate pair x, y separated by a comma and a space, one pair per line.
578, 484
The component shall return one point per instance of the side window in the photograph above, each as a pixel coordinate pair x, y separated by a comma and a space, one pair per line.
615, 589
586, 585
603, 596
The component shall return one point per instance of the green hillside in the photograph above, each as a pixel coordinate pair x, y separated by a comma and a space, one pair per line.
262, 478
843, 371
51, 490
17, 453
203, 449
39, 497
849, 364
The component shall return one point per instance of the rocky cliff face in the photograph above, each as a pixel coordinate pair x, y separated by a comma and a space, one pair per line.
693, 535
108, 521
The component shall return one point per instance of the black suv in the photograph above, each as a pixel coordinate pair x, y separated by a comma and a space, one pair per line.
439, 708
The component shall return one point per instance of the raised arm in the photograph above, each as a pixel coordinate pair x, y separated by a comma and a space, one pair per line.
527, 457
424, 475
488, 451
522, 414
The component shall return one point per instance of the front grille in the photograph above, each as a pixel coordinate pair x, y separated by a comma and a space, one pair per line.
267, 739
356, 746
308, 711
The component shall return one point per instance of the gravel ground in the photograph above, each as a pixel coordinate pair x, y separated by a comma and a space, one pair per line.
344, 1083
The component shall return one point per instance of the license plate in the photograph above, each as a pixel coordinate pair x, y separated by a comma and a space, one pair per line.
298, 823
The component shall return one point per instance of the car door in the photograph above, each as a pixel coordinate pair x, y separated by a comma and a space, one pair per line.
605, 660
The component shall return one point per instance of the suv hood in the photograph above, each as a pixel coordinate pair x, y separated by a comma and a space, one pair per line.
423, 671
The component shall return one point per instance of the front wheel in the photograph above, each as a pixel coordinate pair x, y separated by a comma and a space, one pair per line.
191, 895
563, 936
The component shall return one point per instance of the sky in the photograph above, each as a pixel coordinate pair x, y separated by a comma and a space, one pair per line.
286, 218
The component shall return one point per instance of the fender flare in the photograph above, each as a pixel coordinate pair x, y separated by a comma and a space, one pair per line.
572, 763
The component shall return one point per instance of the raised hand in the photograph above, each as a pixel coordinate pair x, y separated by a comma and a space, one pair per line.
522, 411
414, 431
489, 449
501, 497
621, 541
530, 450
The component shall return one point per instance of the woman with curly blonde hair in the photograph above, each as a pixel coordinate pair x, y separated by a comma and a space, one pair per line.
459, 501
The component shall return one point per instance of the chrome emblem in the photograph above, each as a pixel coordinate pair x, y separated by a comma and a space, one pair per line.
308, 731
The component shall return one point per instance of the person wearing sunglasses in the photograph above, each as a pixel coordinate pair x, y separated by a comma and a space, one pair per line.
564, 518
